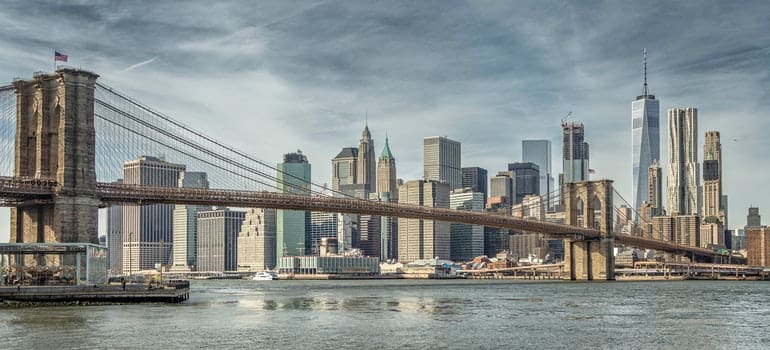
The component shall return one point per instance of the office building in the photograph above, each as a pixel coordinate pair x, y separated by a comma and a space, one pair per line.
574, 152
185, 223
645, 141
679, 229
322, 225
441, 158
526, 180
539, 152
467, 241
753, 219
423, 239
712, 177
683, 170
115, 237
148, 229
367, 163
217, 240
369, 235
758, 246
527, 245
655, 189
502, 186
531, 207
386, 173
345, 168
292, 225
712, 232
495, 241
476, 179
256, 240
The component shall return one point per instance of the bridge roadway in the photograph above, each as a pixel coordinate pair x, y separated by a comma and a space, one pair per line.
22, 191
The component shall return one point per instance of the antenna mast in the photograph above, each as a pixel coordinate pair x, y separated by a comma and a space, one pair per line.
644, 90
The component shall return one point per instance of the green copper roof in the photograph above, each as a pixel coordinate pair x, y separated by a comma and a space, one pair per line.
386, 151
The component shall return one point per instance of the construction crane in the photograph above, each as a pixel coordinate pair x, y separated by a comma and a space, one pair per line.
564, 120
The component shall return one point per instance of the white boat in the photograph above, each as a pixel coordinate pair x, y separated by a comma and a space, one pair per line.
264, 276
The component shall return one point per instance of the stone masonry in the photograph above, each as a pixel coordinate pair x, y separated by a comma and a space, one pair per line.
589, 204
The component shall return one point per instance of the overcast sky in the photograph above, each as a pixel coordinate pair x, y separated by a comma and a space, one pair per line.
274, 77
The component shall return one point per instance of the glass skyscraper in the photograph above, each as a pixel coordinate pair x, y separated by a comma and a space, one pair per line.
645, 140
539, 152
291, 225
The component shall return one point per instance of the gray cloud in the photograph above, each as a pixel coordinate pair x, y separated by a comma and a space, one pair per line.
271, 77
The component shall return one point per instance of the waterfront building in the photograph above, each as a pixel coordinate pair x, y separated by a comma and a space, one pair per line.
256, 240
467, 241
683, 170
329, 265
291, 225
345, 168
574, 153
539, 152
502, 186
526, 180
148, 229
217, 239
758, 245
367, 163
645, 141
423, 239
712, 177
185, 223
441, 158
475, 178
655, 189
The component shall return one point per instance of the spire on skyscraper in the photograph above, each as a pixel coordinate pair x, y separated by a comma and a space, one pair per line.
645, 89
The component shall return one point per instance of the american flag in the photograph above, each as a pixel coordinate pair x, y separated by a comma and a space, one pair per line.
58, 56
592, 171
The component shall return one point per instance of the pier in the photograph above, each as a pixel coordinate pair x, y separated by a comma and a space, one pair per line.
175, 292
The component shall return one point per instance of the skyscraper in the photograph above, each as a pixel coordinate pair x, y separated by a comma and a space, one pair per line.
645, 140
115, 237
712, 177
423, 239
683, 169
442, 161
502, 186
467, 241
655, 189
345, 168
256, 241
217, 239
574, 152
367, 163
321, 225
475, 178
185, 222
291, 225
753, 219
526, 180
539, 152
148, 229
386, 173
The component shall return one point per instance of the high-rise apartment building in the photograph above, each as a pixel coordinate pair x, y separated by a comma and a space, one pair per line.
291, 225
683, 169
217, 242
539, 152
367, 163
680, 229
423, 239
476, 179
526, 180
441, 158
712, 177
256, 240
185, 223
467, 241
645, 141
655, 189
758, 245
345, 168
574, 152
753, 219
148, 229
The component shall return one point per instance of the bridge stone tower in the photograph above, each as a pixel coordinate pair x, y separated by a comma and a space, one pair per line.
589, 204
55, 139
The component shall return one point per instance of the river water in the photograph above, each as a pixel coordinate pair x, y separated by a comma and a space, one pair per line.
416, 314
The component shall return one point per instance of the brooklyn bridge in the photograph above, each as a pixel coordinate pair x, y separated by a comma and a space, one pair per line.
64, 137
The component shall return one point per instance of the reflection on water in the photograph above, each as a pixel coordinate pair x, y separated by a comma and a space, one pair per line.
412, 314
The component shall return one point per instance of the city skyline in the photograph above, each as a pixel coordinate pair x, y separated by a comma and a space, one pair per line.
525, 73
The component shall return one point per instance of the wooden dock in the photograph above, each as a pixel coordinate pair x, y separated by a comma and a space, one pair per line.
95, 294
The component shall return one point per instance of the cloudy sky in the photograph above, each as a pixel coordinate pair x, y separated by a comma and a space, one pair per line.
273, 77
